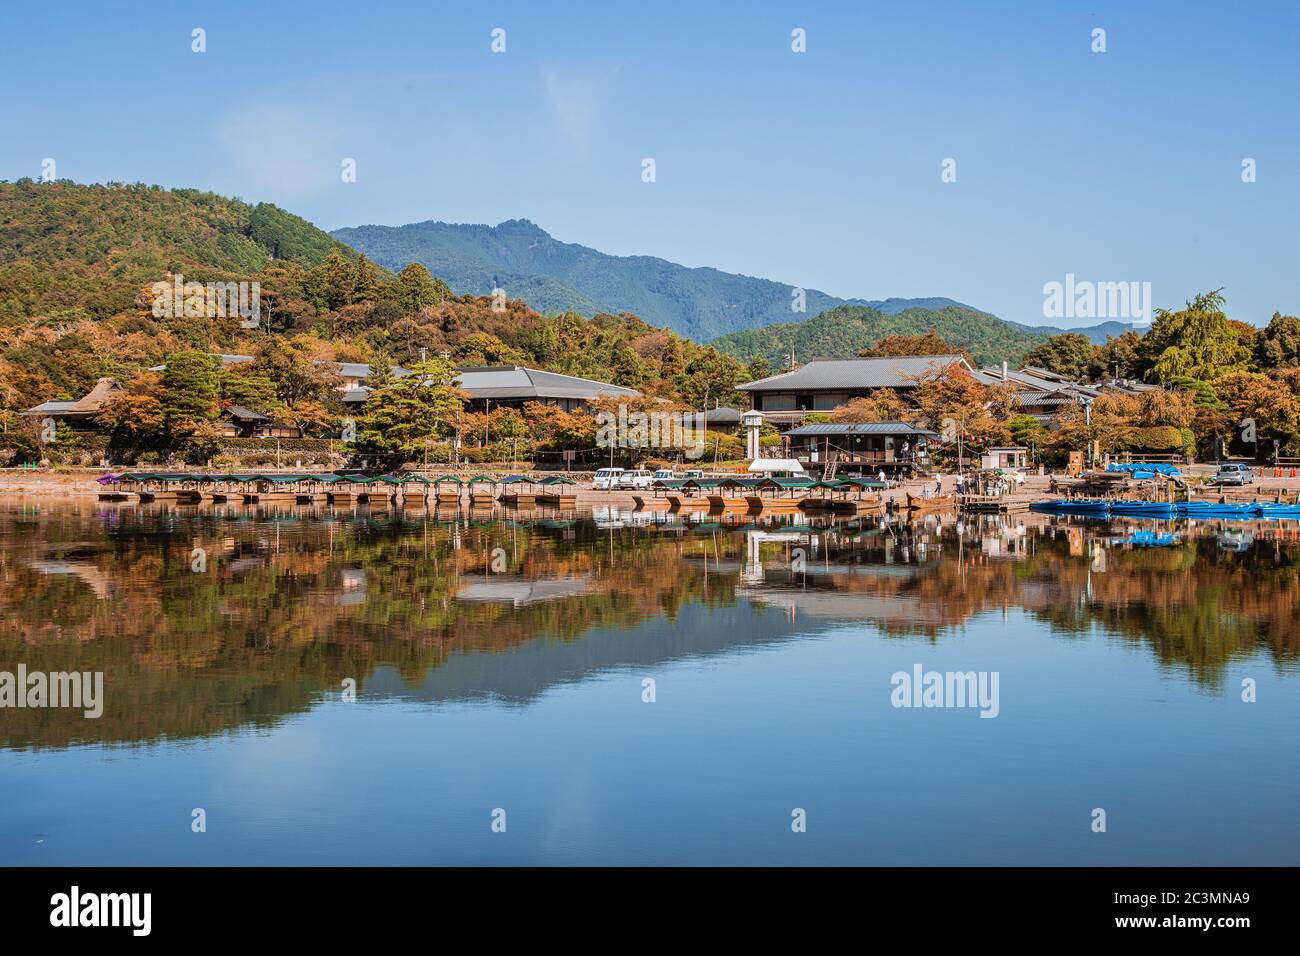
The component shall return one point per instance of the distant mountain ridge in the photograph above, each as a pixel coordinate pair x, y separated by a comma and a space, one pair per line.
843, 331
552, 276
1097, 334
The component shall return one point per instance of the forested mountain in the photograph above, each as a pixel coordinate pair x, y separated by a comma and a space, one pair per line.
70, 251
77, 263
554, 276
844, 331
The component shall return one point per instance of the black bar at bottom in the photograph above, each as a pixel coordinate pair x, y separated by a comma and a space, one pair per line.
336, 906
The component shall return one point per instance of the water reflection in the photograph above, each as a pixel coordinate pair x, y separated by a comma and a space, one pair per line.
292, 600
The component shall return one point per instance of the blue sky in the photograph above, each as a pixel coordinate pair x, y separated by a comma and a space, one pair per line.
820, 169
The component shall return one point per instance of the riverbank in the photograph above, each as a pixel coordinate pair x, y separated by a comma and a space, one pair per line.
74, 483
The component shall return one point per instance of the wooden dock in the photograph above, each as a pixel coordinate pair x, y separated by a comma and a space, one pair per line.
994, 504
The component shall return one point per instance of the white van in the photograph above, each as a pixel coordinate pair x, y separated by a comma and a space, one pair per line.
636, 478
606, 479
664, 474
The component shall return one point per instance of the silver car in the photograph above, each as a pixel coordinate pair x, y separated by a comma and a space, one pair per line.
1234, 474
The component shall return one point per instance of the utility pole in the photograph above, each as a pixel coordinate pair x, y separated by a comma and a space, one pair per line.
961, 434
1087, 420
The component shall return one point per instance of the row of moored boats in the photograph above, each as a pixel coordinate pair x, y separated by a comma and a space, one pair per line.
1103, 508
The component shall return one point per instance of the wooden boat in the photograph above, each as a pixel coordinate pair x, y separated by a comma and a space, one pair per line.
935, 503
816, 503
677, 501
189, 488
644, 501
226, 488
220, 494
553, 493
447, 496
725, 493
660, 490
857, 506
147, 486
518, 490
774, 505
414, 490
266, 488
826, 499
727, 502
481, 491
785, 495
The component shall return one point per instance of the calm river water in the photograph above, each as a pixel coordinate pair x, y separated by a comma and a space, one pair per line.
640, 689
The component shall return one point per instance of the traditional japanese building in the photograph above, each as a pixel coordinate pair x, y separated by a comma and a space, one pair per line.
823, 385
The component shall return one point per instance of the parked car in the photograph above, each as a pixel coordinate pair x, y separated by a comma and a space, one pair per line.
664, 474
690, 473
606, 479
636, 478
1234, 473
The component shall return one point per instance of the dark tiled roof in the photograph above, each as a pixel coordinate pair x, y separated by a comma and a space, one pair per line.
516, 381
860, 428
716, 416
247, 414
362, 370
888, 372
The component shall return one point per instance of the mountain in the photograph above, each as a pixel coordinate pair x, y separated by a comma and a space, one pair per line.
70, 251
553, 276
77, 263
842, 331
1097, 334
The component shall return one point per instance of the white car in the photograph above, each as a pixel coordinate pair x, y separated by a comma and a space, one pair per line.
606, 479
636, 478
664, 474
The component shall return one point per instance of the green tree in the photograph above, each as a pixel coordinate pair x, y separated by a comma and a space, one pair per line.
413, 412
628, 368
1117, 357
366, 283
381, 372
1026, 430
247, 384
340, 281
297, 375
1198, 342
191, 390
711, 376
1278, 345
418, 290
1070, 354
483, 348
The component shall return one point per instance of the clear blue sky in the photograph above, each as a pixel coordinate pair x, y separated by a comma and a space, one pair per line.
821, 169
